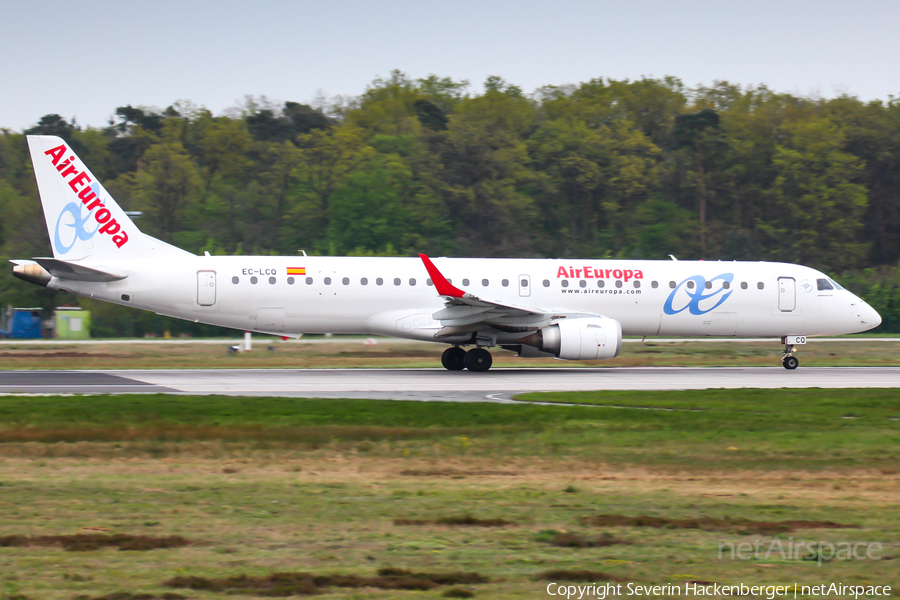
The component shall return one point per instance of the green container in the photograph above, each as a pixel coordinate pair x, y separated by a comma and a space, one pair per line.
73, 324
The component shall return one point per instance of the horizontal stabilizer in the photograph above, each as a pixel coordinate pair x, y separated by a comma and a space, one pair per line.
73, 271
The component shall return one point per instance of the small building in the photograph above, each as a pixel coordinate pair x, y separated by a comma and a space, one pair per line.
22, 323
73, 323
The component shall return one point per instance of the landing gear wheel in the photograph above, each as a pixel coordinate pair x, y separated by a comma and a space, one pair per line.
478, 359
790, 362
454, 358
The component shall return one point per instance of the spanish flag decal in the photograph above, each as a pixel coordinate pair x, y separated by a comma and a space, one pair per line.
296, 270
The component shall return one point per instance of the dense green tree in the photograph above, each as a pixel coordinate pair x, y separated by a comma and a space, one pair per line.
700, 133
814, 209
326, 159
485, 169
225, 145
381, 206
430, 115
268, 125
872, 133
591, 179
167, 184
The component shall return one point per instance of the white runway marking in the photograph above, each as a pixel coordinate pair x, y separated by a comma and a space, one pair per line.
436, 384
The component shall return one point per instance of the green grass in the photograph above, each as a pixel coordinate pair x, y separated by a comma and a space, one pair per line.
266, 485
774, 429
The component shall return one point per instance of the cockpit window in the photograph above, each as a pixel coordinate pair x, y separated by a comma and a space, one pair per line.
824, 284
836, 285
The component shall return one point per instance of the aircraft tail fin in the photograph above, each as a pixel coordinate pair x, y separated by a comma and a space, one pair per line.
83, 220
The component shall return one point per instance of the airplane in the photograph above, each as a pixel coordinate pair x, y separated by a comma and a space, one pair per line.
563, 308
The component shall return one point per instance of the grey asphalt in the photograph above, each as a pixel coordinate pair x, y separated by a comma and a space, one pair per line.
436, 384
66, 382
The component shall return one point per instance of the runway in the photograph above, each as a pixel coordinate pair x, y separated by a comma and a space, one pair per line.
497, 385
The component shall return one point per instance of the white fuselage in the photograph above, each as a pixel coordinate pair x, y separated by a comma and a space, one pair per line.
394, 296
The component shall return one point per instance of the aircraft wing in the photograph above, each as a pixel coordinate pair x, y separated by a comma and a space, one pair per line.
465, 312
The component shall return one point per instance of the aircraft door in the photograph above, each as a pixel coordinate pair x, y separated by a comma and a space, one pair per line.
787, 294
524, 285
206, 288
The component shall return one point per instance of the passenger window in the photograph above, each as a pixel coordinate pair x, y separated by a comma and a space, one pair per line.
637, 284
309, 281
290, 281
546, 283
429, 281
823, 284
345, 281
505, 282
690, 285
601, 283
412, 282
709, 285
379, 281
654, 284
760, 285
254, 280
672, 284
484, 282
743, 285
272, 280
364, 281
396, 281
524, 283
565, 283
582, 283
725, 285
465, 282
618, 283
327, 281
235, 280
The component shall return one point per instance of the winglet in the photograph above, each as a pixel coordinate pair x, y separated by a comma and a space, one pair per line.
444, 287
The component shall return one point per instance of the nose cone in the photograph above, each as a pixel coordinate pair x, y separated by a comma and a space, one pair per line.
872, 316
868, 316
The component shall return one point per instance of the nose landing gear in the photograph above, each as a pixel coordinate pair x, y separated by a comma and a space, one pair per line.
790, 361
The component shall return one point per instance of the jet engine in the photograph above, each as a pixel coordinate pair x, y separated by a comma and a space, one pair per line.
594, 338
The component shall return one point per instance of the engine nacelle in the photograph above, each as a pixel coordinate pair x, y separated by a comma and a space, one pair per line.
594, 338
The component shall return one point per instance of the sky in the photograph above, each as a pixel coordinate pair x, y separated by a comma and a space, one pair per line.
83, 59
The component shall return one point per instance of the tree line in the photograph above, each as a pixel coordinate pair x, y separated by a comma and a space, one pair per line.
602, 169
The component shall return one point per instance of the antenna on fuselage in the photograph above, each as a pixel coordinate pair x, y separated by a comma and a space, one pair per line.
672, 256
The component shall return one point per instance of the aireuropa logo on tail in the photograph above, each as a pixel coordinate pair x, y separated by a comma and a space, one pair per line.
76, 223
89, 194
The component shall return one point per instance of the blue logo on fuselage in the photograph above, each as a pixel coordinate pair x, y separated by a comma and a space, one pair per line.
74, 209
690, 297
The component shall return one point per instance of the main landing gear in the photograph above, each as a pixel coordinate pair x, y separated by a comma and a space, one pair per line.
454, 358
457, 359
